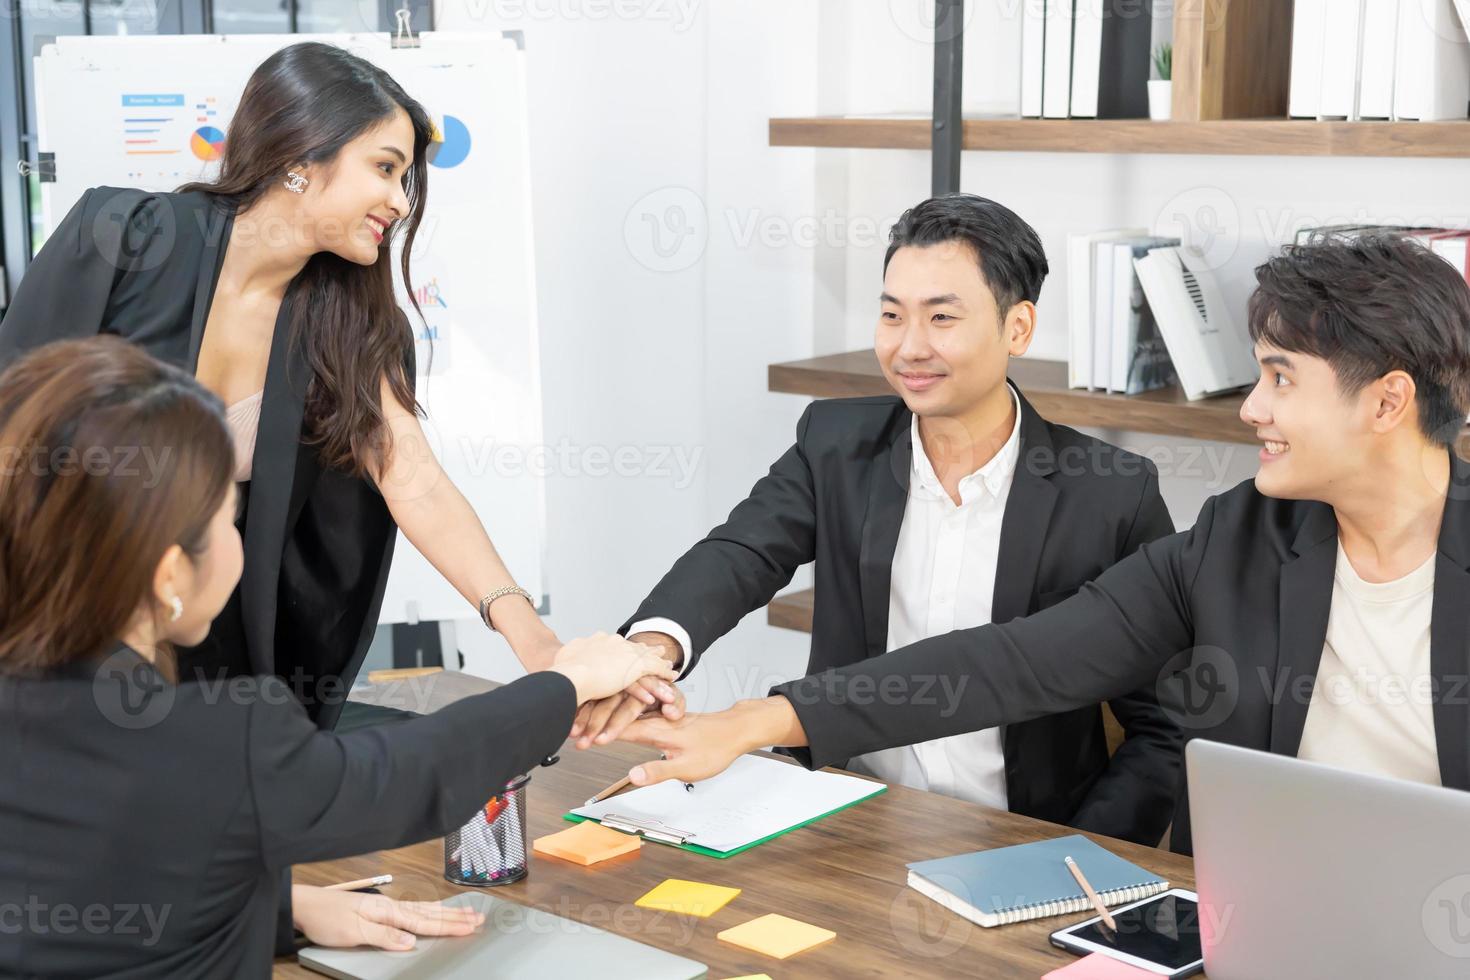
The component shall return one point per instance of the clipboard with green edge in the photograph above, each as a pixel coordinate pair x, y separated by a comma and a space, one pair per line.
709, 852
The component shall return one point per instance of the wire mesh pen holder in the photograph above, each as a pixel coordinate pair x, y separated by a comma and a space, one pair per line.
491, 849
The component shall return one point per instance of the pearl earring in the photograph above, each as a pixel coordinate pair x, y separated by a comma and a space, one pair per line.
297, 183
176, 609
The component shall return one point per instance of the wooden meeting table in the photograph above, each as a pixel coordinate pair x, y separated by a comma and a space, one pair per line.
845, 873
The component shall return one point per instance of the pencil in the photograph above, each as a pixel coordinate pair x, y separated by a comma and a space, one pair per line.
616, 787
1097, 902
352, 886
404, 673
621, 785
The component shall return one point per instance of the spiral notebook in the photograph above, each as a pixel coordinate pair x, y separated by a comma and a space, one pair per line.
1030, 881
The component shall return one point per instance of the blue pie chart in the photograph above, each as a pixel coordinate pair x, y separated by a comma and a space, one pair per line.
455, 148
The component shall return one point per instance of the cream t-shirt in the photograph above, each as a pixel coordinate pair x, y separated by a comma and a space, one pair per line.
1372, 704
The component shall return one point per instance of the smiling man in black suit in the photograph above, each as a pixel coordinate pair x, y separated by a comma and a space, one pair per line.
948, 506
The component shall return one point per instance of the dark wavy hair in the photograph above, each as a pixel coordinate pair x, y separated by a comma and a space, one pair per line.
1381, 302
1012, 261
303, 105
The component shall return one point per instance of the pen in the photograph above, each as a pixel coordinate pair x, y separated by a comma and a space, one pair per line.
352, 886
1097, 902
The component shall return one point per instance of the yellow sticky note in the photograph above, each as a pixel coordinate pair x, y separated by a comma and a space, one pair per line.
753, 976
776, 935
688, 898
587, 843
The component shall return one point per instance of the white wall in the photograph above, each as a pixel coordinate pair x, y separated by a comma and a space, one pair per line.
655, 111
661, 297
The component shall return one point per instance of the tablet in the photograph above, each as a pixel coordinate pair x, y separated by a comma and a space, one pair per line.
1159, 934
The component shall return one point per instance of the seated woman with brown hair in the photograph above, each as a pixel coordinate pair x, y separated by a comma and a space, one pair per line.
146, 828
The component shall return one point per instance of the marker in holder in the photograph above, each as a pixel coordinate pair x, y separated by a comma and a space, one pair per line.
491, 849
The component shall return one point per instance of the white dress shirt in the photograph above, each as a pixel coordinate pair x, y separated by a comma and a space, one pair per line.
943, 579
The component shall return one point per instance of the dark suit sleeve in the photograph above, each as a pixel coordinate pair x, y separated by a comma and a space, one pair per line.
743, 563
1115, 635
285, 917
320, 796
1133, 799
64, 291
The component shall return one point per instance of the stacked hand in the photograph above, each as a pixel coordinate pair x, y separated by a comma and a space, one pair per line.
601, 666
695, 747
699, 746
604, 720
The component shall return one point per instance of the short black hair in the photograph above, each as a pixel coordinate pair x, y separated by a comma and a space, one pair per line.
1012, 261
1378, 303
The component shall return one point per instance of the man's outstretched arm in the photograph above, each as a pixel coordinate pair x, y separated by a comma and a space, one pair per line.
1115, 635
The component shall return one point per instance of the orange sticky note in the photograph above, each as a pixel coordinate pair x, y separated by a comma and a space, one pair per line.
587, 843
1096, 966
688, 897
776, 935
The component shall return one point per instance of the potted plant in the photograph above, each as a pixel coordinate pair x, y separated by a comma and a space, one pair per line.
1161, 89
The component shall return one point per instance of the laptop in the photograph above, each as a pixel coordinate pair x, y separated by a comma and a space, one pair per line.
515, 941
1306, 870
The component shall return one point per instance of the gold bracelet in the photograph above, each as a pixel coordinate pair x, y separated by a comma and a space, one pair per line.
499, 594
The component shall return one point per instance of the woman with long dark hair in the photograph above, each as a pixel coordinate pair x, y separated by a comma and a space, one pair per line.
273, 285
147, 829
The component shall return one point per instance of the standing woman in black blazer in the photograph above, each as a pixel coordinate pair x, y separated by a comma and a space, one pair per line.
147, 829
273, 285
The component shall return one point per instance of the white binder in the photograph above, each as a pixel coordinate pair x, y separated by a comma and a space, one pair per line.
1033, 51
1057, 87
1342, 35
1432, 79
1380, 42
1309, 18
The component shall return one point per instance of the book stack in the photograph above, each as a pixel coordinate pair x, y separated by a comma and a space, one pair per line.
1380, 59
1085, 59
1115, 344
1145, 312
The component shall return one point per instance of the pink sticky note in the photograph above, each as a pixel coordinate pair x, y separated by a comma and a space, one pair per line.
1096, 966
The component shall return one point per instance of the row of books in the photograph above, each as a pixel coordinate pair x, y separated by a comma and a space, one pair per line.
1145, 312
1085, 58
1380, 59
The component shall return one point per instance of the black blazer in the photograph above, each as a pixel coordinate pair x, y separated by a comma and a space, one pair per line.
1076, 506
180, 809
318, 543
1227, 619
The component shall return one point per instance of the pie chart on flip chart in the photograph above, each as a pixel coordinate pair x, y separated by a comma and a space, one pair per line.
208, 143
451, 145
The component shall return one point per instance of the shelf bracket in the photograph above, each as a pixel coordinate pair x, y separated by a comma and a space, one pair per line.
949, 77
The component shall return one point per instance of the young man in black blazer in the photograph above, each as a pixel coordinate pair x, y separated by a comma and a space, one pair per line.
953, 505
1321, 610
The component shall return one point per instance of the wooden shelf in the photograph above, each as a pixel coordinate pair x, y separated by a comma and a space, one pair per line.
1254, 137
1164, 412
792, 611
